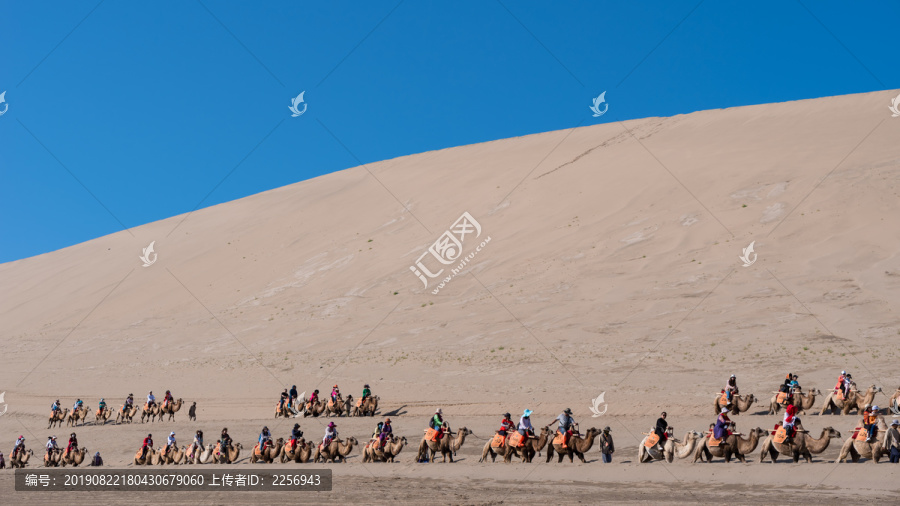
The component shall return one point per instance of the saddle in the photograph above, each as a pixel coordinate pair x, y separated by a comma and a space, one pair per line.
218, 449
861, 434
359, 402
138, 454
782, 398
498, 441
838, 394
779, 435
652, 439
713, 441
516, 440
432, 434
559, 439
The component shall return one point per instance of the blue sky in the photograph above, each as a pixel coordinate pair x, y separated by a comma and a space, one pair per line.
123, 113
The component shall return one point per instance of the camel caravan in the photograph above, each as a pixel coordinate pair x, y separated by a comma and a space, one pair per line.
292, 405
150, 411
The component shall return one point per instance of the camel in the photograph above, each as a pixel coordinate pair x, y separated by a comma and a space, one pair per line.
229, 455
803, 444
173, 456
21, 460
577, 445
284, 410
739, 403
57, 417
102, 415
855, 448
337, 451
372, 453
150, 413
803, 401
339, 406
671, 449
272, 452
446, 445
365, 408
855, 400
53, 459
76, 415
532, 445
313, 409
170, 409
151, 457
126, 415
74, 457
894, 403
197, 456
300, 452
731, 445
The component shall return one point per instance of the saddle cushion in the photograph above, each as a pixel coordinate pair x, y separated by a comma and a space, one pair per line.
431, 434
782, 398
498, 441
651, 440
516, 440
780, 435
559, 439
713, 441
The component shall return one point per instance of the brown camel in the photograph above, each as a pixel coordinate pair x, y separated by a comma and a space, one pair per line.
731, 445
272, 452
577, 445
855, 400
300, 452
313, 409
53, 459
21, 459
803, 401
150, 413
856, 447
671, 449
150, 458
739, 403
199, 456
170, 409
74, 457
174, 456
365, 408
446, 445
530, 447
102, 415
227, 455
126, 415
77, 415
339, 406
372, 452
802, 444
337, 451
57, 417
283, 410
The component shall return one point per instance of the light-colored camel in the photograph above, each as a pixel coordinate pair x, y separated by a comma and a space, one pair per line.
170, 409
21, 459
339, 406
102, 415
313, 409
77, 415
301, 452
855, 400
73, 458
803, 401
731, 445
671, 449
148, 459
199, 456
228, 455
577, 445
802, 444
126, 415
894, 403
150, 413
739, 403
174, 456
57, 417
272, 452
372, 452
53, 459
337, 451
283, 410
854, 448
367, 407
447, 445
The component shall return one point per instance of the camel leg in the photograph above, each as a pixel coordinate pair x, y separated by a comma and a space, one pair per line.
581, 456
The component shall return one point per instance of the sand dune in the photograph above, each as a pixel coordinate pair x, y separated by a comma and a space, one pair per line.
612, 267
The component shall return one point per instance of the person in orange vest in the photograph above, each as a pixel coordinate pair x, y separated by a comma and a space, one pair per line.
870, 422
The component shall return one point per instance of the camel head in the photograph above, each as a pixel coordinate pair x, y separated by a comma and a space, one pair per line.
593, 431
692, 434
759, 432
832, 433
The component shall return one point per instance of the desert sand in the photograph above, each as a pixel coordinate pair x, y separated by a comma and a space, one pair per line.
612, 268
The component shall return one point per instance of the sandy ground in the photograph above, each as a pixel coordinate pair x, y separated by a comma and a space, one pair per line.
612, 268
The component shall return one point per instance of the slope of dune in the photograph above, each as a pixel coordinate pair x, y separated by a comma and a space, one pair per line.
613, 266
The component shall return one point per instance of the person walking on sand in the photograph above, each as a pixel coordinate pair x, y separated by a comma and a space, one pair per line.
607, 448
892, 441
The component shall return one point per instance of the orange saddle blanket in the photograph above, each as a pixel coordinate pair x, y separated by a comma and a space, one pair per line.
431, 434
559, 438
498, 441
652, 439
713, 441
780, 435
516, 440
782, 398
